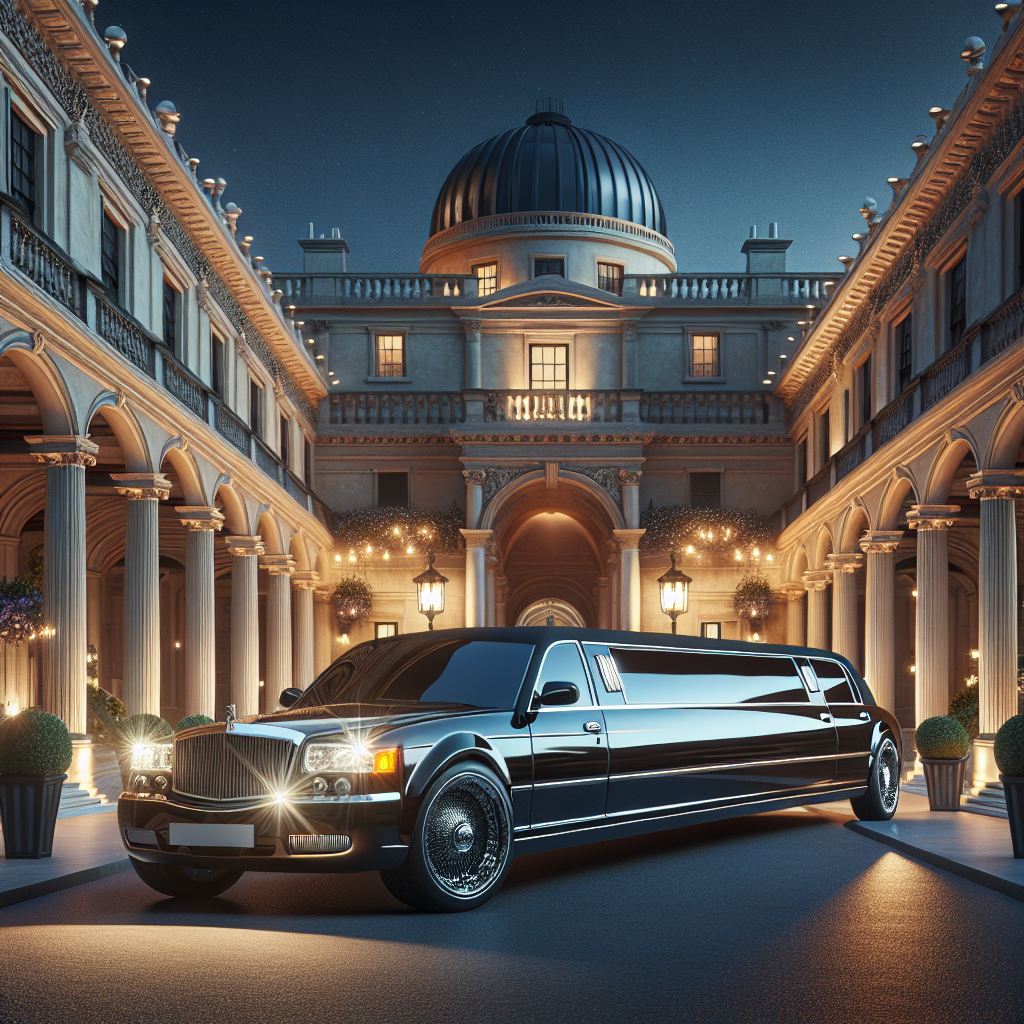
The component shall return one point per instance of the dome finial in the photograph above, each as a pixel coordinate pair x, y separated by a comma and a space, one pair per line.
549, 111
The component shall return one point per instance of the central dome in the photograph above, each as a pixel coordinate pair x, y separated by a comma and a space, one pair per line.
548, 165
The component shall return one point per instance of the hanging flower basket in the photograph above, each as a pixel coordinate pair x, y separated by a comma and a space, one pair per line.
21, 610
753, 597
353, 600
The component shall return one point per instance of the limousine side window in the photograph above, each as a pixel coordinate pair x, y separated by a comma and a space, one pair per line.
696, 677
562, 664
834, 684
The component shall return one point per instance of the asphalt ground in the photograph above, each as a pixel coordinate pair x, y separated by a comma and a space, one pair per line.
780, 917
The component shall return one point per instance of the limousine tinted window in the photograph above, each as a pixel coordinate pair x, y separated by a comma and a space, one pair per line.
833, 681
563, 664
688, 677
483, 674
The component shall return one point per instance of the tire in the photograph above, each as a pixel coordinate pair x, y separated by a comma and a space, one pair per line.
461, 846
185, 883
883, 793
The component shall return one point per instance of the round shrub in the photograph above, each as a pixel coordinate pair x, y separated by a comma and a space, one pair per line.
942, 738
34, 743
190, 720
1009, 747
143, 728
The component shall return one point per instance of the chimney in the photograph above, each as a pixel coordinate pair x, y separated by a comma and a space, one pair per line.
766, 255
324, 255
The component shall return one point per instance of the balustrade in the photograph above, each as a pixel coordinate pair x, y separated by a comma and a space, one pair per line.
404, 407
945, 374
189, 390
125, 334
572, 406
733, 289
267, 460
40, 261
705, 407
230, 426
314, 289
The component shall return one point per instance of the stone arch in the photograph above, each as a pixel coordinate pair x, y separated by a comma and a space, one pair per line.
855, 522
236, 522
823, 545
125, 427
56, 408
537, 614
957, 446
896, 490
299, 551
322, 563
20, 503
267, 528
1007, 437
798, 564
495, 510
175, 451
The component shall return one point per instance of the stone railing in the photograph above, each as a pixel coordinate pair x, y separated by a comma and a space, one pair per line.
232, 427
184, 385
405, 407
124, 333
536, 406
362, 289
945, 374
1003, 328
708, 407
41, 260
730, 289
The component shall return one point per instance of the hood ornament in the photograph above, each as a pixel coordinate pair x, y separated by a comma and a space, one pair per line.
230, 717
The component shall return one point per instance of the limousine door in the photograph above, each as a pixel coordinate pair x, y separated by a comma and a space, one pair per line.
698, 727
570, 752
853, 721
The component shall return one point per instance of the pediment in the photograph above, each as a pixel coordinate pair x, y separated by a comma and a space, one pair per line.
549, 299
552, 290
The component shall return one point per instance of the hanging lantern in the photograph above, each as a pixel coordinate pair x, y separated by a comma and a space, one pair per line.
430, 591
674, 588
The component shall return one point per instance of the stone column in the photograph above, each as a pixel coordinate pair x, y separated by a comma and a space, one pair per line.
604, 605
144, 492
491, 567
880, 615
245, 623
628, 541
628, 353
475, 480
200, 625
794, 614
629, 482
15, 672
474, 360
324, 631
844, 604
476, 581
997, 596
931, 678
64, 605
614, 561
279, 624
303, 672
815, 582
500, 600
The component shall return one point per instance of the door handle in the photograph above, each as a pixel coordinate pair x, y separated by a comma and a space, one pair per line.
826, 717
592, 727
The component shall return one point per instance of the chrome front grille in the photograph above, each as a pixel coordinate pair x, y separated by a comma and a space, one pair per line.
229, 766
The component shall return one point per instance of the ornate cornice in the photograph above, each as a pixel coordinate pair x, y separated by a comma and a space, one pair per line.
200, 517
996, 483
932, 517
245, 547
61, 450
881, 541
846, 562
817, 579
142, 486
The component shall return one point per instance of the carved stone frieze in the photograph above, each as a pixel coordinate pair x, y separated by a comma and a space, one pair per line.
498, 477
475, 477
629, 477
604, 476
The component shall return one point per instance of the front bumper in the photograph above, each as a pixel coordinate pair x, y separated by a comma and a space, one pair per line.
371, 824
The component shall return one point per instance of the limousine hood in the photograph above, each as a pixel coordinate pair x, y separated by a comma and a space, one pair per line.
364, 716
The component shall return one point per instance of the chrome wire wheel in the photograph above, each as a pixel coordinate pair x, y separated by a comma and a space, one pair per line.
466, 836
888, 769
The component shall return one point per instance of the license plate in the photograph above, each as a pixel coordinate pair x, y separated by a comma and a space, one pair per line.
190, 834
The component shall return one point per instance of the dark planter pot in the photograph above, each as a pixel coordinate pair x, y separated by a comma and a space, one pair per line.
945, 781
28, 814
1013, 794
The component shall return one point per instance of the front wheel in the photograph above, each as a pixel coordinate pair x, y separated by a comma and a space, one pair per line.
185, 883
461, 846
883, 793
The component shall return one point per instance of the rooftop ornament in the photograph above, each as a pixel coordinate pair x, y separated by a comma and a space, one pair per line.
971, 54
90, 10
115, 38
1008, 12
940, 115
244, 244
193, 163
168, 116
897, 185
847, 261
861, 239
142, 87
232, 213
920, 146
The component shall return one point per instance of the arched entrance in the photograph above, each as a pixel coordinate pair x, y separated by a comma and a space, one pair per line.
550, 612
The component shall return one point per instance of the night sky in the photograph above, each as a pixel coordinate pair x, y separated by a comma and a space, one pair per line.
351, 115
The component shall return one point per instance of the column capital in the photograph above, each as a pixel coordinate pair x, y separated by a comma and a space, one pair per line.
629, 329
278, 565
242, 546
476, 538
932, 517
471, 326
63, 450
630, 477
794, 591
475, 477
628, 540
142, 486
305, 579
817, 579
874, 541
844, 562
996, 483
200, 517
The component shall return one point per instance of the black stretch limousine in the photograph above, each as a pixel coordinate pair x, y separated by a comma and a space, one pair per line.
429, 757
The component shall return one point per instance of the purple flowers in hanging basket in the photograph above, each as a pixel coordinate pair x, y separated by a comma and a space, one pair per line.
21, 610
353, 600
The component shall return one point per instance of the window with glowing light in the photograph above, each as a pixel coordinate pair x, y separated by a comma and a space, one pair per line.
549, 367
705, 355
390, 355
381, 630
711, 630
486, 279
609, 277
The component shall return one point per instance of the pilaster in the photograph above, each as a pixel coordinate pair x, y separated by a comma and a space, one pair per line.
794, 613
303, 655
476, 579
279, 624
245, 623
844, 604
628, 542
880, 548
815, 583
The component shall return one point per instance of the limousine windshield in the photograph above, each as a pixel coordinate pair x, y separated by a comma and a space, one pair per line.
476, 673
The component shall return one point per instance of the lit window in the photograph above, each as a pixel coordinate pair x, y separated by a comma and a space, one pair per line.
705, 356
23, 164
390, 355
486, 279
549, 367
711, 630
609, 277
384, 629
548, 265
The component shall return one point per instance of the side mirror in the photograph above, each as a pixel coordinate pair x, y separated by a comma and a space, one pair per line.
289, 697
557, 694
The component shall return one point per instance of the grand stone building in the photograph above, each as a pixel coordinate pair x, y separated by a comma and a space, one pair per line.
548, 369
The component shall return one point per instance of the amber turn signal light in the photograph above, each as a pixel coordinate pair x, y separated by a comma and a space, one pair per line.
385, 761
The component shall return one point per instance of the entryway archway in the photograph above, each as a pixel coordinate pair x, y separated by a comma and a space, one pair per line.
551, 612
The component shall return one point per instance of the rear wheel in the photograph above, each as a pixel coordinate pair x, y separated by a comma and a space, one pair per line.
185, 883
461, 846
883, 793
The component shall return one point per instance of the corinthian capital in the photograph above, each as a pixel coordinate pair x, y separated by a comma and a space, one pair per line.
472, 326
475, 477
932, 517
880, 541
200, 517
142, 486
629, 477
63, 450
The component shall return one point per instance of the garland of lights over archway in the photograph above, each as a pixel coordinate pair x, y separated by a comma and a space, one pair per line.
690, 530
399, 531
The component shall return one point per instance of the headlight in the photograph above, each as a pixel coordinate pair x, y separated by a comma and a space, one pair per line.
151, 757
348, 757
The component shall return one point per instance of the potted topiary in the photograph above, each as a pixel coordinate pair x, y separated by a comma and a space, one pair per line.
35, 753
192, 720
1009, 754
943, 745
